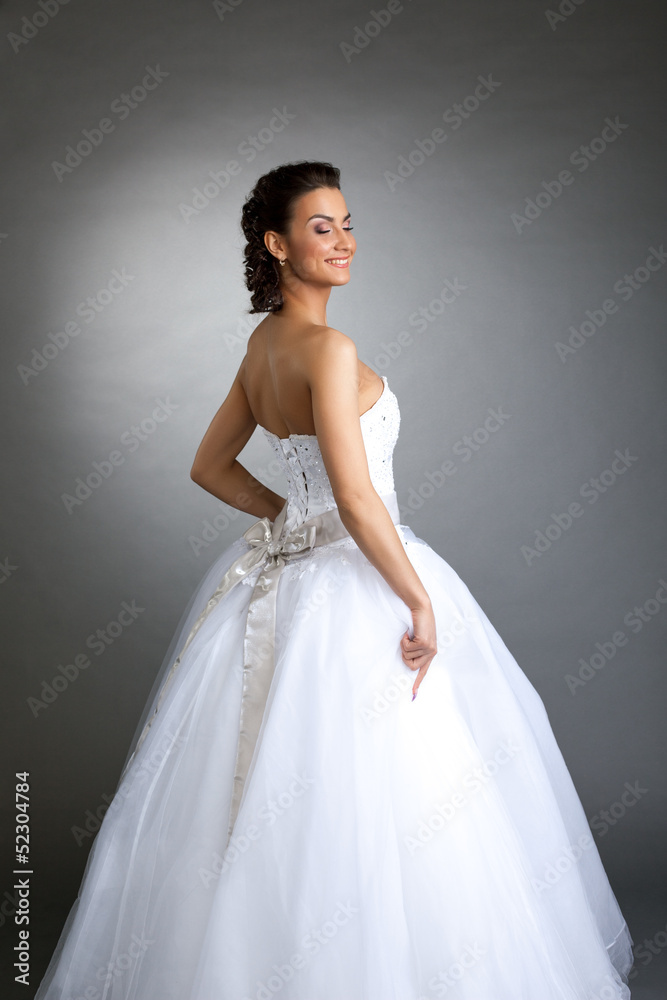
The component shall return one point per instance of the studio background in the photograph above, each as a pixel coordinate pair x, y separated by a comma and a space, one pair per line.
517, 314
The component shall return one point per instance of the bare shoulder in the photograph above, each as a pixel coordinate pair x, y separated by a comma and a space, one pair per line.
257, 335
335, 340
328, 353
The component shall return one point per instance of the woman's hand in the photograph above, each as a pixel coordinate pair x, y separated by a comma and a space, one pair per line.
418, 652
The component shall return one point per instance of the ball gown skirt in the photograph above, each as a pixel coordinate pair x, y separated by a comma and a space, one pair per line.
292, 824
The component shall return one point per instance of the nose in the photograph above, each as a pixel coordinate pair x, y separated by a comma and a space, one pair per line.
345, 240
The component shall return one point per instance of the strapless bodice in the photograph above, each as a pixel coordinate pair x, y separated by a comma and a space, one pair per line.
308, 488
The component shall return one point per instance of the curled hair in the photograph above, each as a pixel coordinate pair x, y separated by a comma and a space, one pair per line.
269, 206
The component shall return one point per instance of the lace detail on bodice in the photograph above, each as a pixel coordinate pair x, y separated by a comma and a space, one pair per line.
308, 488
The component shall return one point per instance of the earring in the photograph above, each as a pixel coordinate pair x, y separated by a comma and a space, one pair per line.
282, 262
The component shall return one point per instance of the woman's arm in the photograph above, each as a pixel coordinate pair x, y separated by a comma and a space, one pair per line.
215, 467
332, 372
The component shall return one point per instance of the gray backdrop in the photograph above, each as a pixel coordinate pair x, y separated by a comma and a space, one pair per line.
504, 166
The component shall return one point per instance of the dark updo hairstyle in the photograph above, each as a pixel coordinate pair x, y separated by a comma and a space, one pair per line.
270, 206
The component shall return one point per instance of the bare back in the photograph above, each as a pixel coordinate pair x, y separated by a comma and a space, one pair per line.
274, 378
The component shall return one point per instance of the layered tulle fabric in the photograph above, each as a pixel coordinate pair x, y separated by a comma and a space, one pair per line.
384, 849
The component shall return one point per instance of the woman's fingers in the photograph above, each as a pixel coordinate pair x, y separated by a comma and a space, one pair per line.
411, 648
417, 654
420, 678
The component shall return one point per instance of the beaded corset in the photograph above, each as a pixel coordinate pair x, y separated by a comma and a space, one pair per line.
308, 488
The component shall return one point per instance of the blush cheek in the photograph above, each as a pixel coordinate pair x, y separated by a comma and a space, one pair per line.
309, 264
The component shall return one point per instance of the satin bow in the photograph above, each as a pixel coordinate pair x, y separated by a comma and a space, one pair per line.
263, 538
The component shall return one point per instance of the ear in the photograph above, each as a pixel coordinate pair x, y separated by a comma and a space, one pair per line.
274, 244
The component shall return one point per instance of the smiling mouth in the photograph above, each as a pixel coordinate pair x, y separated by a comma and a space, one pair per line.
338, 261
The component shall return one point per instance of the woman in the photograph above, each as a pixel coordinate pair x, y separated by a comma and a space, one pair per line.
292, 822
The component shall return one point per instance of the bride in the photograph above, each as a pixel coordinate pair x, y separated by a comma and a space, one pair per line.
291, 822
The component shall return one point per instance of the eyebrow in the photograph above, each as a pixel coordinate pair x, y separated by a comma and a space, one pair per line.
329, 218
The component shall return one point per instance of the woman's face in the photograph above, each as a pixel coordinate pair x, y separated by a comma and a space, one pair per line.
319, 245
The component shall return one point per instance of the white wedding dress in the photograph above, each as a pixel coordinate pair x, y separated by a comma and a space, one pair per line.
381, 848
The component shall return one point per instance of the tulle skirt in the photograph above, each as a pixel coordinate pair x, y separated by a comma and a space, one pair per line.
384, 849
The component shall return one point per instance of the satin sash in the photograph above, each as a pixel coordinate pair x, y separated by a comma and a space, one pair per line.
268, 547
